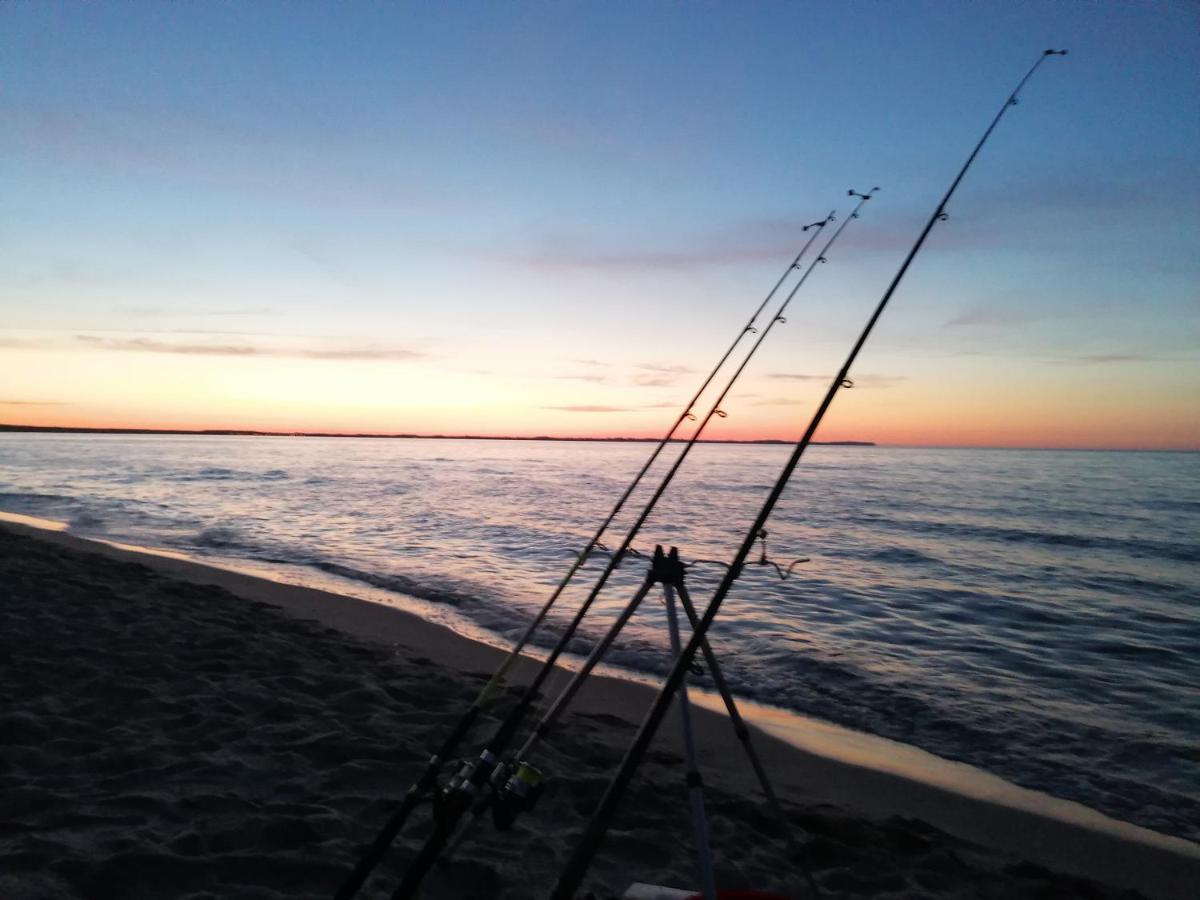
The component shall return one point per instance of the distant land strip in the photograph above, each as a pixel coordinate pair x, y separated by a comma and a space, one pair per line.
50, 429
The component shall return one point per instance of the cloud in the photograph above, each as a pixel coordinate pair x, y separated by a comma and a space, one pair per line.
169, 144
778, 401
151, 345
591, 362
657, 367
1156, 186
735, 243
659, 375
595, 379
987, 317
655, 380
1103, 359
590, 409
151, 312
877, 381
363, 353
871, 381
33, 403
559, 255
611, 409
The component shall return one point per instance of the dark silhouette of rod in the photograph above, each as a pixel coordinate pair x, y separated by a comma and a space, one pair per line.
428, 777
475, 774
593, 659
576, 867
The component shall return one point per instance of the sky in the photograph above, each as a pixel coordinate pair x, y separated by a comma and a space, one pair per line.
551, 219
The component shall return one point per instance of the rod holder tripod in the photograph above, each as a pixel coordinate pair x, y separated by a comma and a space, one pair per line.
670, 572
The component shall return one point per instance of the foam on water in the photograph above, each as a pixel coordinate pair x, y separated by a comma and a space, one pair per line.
1032, 613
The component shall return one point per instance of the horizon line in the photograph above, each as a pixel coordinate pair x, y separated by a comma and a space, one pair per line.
7, 428
385, 435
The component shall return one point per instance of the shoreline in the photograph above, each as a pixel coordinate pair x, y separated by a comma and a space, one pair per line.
807, 759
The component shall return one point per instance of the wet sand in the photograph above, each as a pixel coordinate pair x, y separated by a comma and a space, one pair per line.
175, 730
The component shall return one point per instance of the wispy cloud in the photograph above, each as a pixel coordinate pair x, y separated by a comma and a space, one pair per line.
594, 379
171, 144
877, 381
590, 409
591, 362
657, 375
363, 353
777, 401
587, 408
735, 243
154, 312
1155, 187
870, 381
151, 345
1104, 359
33, 403
988, 318
658, 367
655, 380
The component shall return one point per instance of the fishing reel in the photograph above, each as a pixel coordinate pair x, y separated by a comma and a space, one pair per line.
465, 778
516, 787
460, 789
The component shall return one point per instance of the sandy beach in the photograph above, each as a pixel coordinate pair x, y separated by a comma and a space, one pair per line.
175, 730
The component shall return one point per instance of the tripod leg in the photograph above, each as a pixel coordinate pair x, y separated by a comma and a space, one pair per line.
743, 735
581, 675
739, 725
695, 784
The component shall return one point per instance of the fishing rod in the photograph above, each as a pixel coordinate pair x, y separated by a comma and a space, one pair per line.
568, 693
572, 874
475, 775
428, 777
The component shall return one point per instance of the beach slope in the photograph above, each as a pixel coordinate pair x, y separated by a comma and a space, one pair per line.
169, 731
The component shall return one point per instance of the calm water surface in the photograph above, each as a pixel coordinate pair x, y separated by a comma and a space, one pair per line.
1035, 613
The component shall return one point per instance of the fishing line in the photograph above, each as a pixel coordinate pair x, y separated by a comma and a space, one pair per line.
784, 572
576, 867
564, 698
462, 791
447, 750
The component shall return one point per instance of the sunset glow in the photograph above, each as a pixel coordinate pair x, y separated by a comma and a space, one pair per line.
477, 222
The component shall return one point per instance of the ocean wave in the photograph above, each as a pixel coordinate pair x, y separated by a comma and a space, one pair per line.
444, 593
216, 473
222, 473
34, 497
899, 555
85, 521
222, 537
1140, 547
1172, 505
983, 733
1133, 651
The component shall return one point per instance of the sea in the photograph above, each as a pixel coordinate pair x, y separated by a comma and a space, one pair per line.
1034, 613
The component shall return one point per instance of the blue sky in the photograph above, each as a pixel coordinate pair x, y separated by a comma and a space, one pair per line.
531, 218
